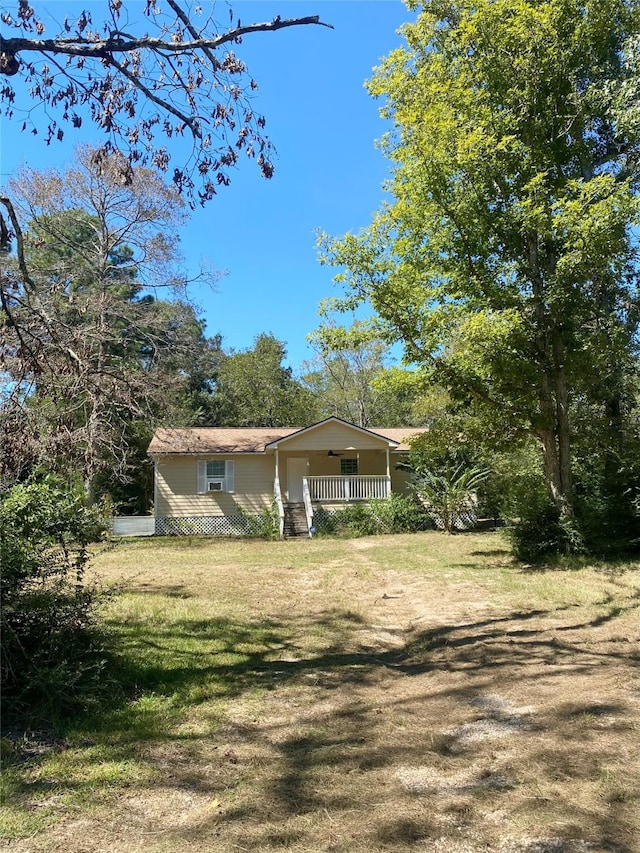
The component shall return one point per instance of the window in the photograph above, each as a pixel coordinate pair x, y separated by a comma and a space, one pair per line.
348, 466
216, 469
216, 473
215, 476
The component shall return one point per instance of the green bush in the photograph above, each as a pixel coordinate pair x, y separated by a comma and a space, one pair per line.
607, 504
450, 496
52, 646
540, 532
395, 514
263, 525
399, 514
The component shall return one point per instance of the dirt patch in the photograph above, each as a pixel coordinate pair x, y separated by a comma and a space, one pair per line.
426, 780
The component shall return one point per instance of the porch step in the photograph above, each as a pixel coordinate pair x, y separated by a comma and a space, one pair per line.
295, 521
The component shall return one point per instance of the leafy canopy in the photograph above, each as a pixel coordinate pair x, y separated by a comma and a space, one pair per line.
505, 259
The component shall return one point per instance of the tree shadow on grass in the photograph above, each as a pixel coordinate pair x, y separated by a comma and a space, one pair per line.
190, 662
315, 764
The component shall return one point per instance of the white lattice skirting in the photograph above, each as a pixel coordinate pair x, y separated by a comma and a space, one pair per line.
210, 525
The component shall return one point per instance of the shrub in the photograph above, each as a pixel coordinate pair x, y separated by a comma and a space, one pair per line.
540, 532
607, 505
263, 525
398, 514
356, 520
52, 653
450, 496
395, 514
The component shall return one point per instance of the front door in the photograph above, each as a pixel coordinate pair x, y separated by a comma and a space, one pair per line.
296, 470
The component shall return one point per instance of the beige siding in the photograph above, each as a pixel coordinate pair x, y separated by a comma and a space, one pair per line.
177, 487
332, 436
400, 480
177, 479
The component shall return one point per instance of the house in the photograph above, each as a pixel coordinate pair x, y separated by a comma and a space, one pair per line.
211, 480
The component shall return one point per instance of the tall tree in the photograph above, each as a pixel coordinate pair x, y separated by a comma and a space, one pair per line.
256, 389
506, 259
350, 376
87, 348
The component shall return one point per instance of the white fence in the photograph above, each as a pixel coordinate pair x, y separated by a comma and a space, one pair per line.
134, 525
348, 488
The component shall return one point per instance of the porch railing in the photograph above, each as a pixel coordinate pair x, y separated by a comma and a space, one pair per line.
348, 488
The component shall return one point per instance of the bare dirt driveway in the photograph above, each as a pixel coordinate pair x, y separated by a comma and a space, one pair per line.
383, 694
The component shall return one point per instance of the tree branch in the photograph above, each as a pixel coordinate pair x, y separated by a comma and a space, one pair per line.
11, 47
17, 231
189, 121
28, 282
182, 15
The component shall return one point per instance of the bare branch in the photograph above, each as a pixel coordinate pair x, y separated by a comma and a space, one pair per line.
140, 87
17, 231
189, 121
118, 42
182, 15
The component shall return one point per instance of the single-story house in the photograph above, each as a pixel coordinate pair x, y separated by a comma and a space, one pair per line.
209, 480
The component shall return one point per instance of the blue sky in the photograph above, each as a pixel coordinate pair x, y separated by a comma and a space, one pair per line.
328, 176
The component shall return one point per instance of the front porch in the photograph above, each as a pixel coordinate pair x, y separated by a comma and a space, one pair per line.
330, 465
327, 492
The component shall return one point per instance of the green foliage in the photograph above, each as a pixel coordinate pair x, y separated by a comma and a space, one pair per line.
395, 514
541, 532
350, 377
52, 645
462, 438
448, 443
262, 525
515, 475
506, 259
450, 497
607, 492
516, 491
255, 389
346, 376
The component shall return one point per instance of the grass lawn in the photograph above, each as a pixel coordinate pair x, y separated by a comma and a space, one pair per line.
419, 692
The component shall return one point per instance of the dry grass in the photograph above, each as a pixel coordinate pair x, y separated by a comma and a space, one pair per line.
396, 693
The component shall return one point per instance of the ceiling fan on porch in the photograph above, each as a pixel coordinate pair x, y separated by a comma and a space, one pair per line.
332, 453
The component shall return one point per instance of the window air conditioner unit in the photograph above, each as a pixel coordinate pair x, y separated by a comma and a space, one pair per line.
215, 486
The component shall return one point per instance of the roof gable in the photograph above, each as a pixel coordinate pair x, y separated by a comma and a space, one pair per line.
330, 434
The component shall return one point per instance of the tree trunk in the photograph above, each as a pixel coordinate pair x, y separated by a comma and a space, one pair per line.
91, 453
556, 443
562, 427
554, 432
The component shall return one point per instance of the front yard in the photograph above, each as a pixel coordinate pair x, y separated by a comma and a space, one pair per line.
417, 692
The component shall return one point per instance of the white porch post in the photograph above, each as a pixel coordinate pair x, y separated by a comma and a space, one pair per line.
155, 487
388, 473
278, 492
